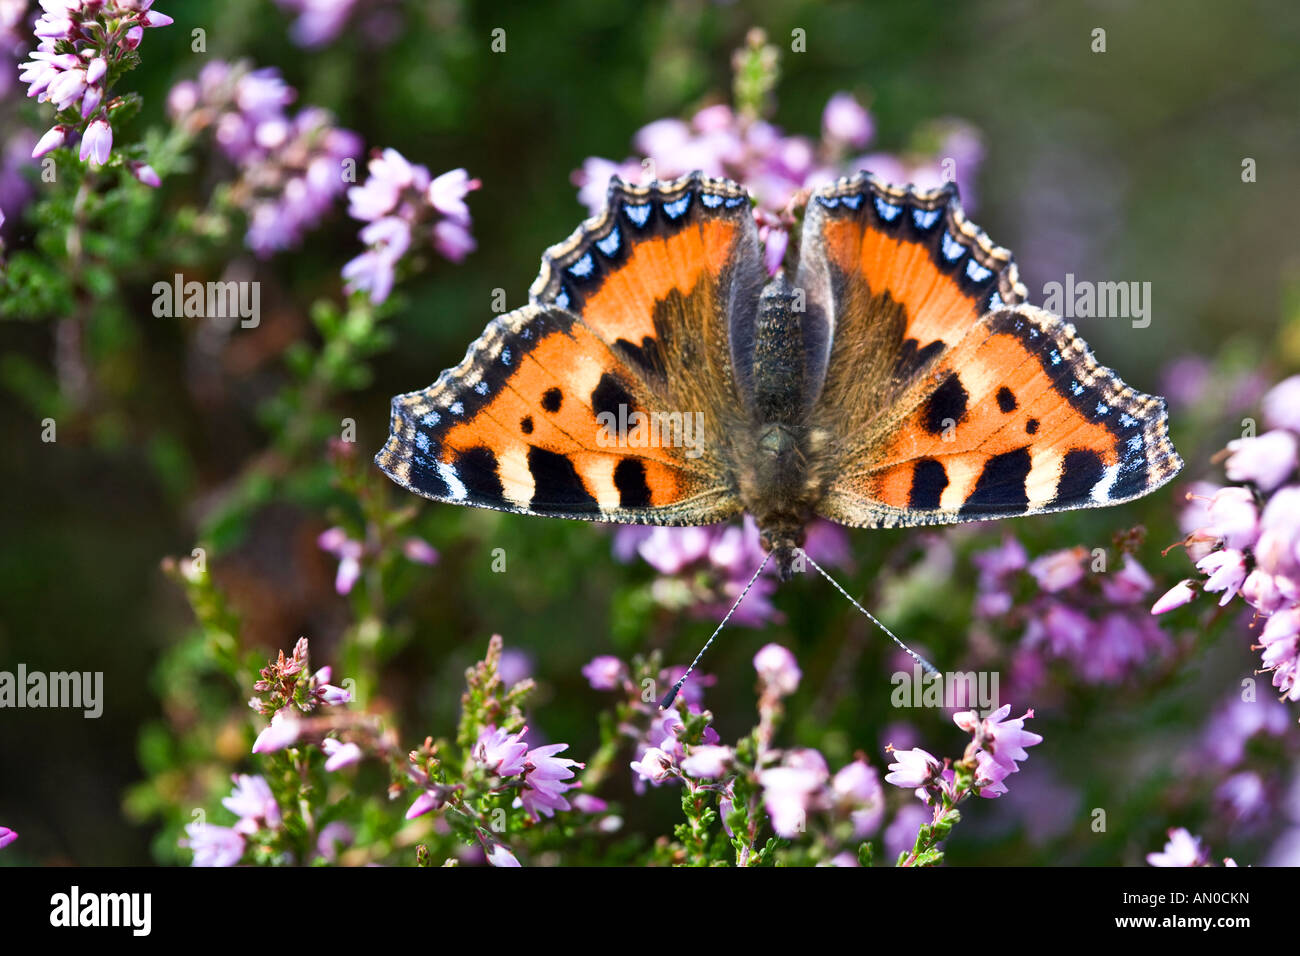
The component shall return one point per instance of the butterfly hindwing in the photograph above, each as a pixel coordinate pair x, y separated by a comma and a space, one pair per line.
623, 327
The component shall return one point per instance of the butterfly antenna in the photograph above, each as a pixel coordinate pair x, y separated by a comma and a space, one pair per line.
672, 694
925, 665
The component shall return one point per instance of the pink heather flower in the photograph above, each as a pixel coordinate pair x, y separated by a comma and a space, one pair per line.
655, 766
1006, 739
452, 240
7, 836
501, 752
499, 855
1243, 796
281, 732
707, 762
90, 102
155, 19
96, 70
856, 788
52, 140
1282, 404
419, 551
213, 845
1181, 593
327, 693
604, 672
447, 193
989, 775
913, 768
348, 551
586, 803
332, 838
593, 178
544, 785
145, 174
1233, 517
1059, 570
97, 143
1227, 571
792, 790
1266, 460
845, 121
777, 670
66, 88
669, 550
133, 37
1183, 849
422, 804
1130, 584
253, 803
339, 754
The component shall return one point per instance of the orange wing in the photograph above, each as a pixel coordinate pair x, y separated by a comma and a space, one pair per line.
603, 398
946, 398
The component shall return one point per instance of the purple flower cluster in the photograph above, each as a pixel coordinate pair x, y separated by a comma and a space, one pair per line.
286, 690
320, 22
1090, 620
1182, 849
1245, 538
350, 553
292, 169
7, 836
542, 775
705, 569
13, 40
996, 748
84, 45
400, 200
776, 167
254, 804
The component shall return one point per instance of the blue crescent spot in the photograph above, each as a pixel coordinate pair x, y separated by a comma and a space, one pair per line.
1127, 420
639, 215
422, 441
609, 245
853, 202
711, 200
431, 419
1056, 357
505, 356
526, 332
1135, 444
925, 218
583, 267
734, 201
830, 202
457, 408
561, 299
888, 211
677, 208
1103, 408
481, 388
977, 272
1076, 388
951, 248
995, 302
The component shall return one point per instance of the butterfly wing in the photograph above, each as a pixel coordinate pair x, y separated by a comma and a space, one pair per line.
608, 397
946, 398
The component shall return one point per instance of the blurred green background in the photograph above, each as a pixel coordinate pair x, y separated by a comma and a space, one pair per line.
1123, 165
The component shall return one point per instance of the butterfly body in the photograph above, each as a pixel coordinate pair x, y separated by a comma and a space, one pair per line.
895, 376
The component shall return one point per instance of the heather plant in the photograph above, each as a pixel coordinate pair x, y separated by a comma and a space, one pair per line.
349, 676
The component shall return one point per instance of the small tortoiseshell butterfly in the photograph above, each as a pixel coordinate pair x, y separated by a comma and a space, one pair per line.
899, 378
